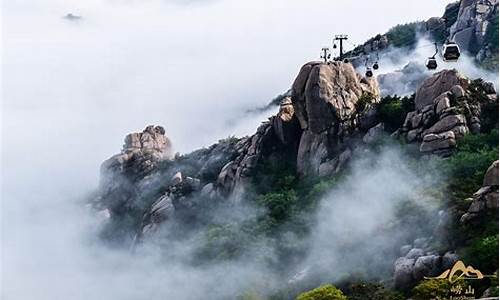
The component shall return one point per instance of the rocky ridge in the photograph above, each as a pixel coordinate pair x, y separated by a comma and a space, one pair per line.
331, 111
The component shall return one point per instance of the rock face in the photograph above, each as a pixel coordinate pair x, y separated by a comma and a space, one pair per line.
469, 30
444, 112
402, 82
419, 260
485, 200
436, 85
326, 100
140, 154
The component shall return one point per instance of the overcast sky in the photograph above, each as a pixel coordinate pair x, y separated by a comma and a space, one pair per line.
186, 64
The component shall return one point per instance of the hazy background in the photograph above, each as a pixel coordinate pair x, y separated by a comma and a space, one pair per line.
72, 90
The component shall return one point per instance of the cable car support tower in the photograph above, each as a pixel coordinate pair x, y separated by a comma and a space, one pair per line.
340, 38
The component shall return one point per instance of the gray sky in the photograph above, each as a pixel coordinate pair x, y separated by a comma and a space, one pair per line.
188, 65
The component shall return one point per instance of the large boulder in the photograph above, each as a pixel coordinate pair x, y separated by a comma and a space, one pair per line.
330, 100
324, 94
403, 272
435, 142
436, 85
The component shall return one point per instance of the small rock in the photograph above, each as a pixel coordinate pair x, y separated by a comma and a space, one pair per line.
433, 142
374, 134
415, 253
207, 189
491, 176
176, 179
449, 259
457, 91
425, 266
420, 243
404, 250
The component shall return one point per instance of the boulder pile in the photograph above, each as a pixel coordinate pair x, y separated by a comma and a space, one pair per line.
444, 112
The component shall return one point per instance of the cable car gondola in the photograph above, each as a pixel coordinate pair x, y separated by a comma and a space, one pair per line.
375, 65
451, 51
369, 72
431, 63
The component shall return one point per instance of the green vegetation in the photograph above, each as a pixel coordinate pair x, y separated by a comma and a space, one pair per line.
491, 37
365, 99
404, 35
483, 254
249, 295
324, 292
432, 289
466, 168
279, 204
372, 291
489, 109
393, 110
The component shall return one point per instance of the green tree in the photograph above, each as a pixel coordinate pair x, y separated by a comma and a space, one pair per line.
324, 292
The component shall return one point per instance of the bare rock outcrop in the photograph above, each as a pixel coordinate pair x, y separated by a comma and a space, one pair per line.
140, 154
327, 98
473, 20
485, 200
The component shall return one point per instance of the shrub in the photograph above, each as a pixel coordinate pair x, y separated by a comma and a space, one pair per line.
362, 291
467, 166
249, 295
403, 35
492, 33
279, 204
435, 289
393, 110
365, 99
324, 292
222, 242
483, 253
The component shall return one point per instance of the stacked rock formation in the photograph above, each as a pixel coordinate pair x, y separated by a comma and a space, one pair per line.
140, 154
444, 112
419, 260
